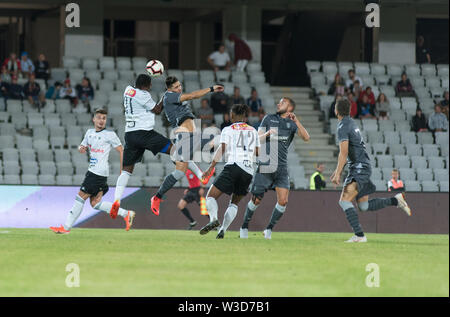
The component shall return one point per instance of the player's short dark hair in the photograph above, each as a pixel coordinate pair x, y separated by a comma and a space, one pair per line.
291, 102
170, 81
240, 110
100, 111
343, 107
143, 81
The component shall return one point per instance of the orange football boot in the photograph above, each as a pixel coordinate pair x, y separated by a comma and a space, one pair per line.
205, 180
114, 209
155, 201
129, 219
59, 230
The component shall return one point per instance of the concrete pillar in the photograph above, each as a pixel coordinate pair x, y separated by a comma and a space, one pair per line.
397, 35
245, 22
86, 40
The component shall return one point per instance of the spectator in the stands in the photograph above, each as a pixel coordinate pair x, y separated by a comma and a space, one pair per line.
15, 90
219, 102
404, 87
353, 104
242, 52
365, 109
53, 92
254, 102
220, 59
438, 122
422, 53
236, 98
382, 107
12, 64
68, 92
85, 92
32, 91
317, 181
370, 95
5, 75
261, 115
395, 184
226, 120
42, 68
444, 104
337, 87
26, 65
205, 113
352, 78
331, 113
357, 89
3, 94
419, 122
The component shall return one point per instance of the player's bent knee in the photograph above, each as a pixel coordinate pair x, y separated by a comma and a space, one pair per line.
363, 206
345, 204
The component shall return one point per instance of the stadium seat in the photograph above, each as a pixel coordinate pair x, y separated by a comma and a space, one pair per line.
27, 155
376, 174
379, 148
375, 137
433, 82
424, 174
344, 67
428, 70
11, 179
436, 162
30, 168
413, 186
418, 162
45, 156
106, 86
407, 174
63, 106
396, 149
11, 168
397, 115
412, 70
301, 183
78, 179
123, 63
424, 138
312, 66
402, 161
430, 149
152, 181
135, 181
441, 138
24, 142
6, 141
394, 69
384, 161
430, 186
64, 168
19, 121
64, 180
383, 81
391, 137
362, 68
380, 185
443, 186
413, 149
442, 69
52, 119
377, 69
329, 68
29, 179
417, 82
46, 180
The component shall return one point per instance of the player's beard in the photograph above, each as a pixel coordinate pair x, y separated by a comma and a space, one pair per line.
281, 111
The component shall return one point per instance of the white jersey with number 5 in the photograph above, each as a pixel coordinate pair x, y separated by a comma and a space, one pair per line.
241, 140
138, 105
99, 144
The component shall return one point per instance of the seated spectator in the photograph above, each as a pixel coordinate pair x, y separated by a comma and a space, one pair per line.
85, 92
404, 87
205, 113
219, 102
444, 104
12, 64
32, 91
242, 52
226, 120
422, 54
438, 122
353, 105
365, 109
67, 92
6, 77
352, 78
395, 184
26, 65
220, 59
261, 115
419, 122
254, 103
3, 94
331, 112
370, 95
42, 68
15, 90
54, 91
236, 98
337, 86
382, 107
356, 88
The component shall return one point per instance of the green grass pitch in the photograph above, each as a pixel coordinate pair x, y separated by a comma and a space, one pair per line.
183, 263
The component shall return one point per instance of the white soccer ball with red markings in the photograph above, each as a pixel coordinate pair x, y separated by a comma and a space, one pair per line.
154, 68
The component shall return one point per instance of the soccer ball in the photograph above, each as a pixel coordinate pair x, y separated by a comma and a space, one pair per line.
154, 68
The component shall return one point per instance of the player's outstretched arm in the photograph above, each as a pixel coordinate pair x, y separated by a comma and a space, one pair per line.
342, 159
200, 93
120, 150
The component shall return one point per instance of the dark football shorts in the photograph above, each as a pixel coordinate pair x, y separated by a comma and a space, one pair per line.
93, 184
136, 142
362, 178
192, 195
233, 180
262, 182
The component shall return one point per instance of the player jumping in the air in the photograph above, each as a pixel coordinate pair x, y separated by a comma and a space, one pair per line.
240, 143
279, 128
357, 184
140, 110
180, 116
98, 142
194, 193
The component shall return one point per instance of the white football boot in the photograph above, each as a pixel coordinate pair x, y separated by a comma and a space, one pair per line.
356, 239
402, 203
268, 234
243, 233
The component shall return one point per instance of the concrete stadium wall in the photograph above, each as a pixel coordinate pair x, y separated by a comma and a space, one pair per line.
307, 211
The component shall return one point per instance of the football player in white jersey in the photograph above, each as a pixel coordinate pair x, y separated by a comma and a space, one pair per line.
240, 143
140, 110
98, 142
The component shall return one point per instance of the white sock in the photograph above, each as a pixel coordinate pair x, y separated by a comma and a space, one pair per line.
74, 213
195, 169
106, 207
211, 206
230, 214
122, 182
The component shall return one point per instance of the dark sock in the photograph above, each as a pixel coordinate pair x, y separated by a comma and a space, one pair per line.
379, 203
352, 218
158, 195
247, 217
167, 184
186, 212
276, 215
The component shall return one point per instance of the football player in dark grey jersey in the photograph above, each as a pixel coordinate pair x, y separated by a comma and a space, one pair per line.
180, 117
357, 184
278, 129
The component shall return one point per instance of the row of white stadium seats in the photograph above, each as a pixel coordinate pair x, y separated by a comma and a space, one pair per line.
404, 161
406, 174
